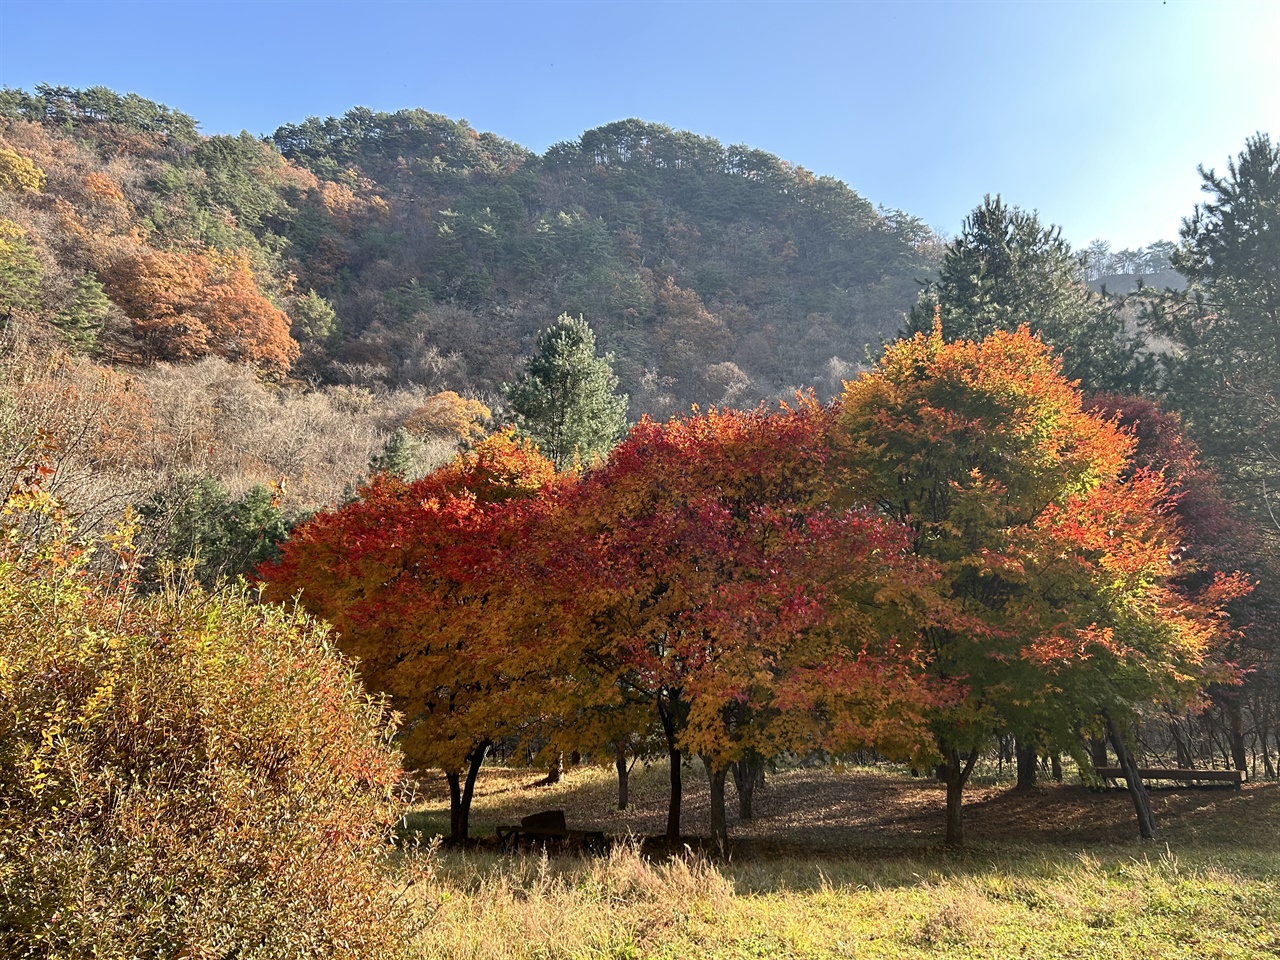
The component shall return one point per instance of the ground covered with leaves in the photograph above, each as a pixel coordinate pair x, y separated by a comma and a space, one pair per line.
849, 863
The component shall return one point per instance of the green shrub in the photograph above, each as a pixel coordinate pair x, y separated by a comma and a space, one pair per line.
187, 774
194, 518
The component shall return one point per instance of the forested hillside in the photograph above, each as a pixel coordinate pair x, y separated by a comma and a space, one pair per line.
401, 249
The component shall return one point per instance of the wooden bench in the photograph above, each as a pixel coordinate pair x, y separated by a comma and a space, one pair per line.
546, 828
1111, 776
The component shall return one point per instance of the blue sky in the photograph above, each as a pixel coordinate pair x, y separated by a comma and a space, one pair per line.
1094, 114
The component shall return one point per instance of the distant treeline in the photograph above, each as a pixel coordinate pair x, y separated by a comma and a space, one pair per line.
1100, 260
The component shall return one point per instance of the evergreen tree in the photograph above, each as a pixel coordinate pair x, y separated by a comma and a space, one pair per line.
20, 271
314, 319
1006, 270
1231, 244
402, 456
89, 308
195, 518
566, 401
1224, 370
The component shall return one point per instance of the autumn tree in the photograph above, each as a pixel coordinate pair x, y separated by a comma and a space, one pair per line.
717, 590
244, 326
415, 578
188, 305
565, 400
447, 416
1057, 602
158, 292
19, 173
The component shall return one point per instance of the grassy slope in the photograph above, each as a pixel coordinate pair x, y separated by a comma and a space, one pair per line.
1053, 874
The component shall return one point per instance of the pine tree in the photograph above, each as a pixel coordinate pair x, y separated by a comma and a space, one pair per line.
1223, 372
401, 457
20, 271
566, 401
81, 321
196, 518
1231, 244
1006, 270
314, 319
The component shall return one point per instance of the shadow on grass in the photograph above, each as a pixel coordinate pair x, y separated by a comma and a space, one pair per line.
818, 826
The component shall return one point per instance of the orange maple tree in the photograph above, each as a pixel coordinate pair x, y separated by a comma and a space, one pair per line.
419, 582
1058, 606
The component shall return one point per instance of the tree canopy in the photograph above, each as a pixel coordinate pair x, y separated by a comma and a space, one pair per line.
566, 399
1058, 600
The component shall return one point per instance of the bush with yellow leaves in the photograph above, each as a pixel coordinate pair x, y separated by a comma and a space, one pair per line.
187, 774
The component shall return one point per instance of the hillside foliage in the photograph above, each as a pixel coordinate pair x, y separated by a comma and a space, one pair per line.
408, 248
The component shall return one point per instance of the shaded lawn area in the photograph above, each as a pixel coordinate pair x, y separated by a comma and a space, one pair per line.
817, 811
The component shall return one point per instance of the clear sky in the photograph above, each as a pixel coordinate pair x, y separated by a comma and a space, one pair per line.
1095, 114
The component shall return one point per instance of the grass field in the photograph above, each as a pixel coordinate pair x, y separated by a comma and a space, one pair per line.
848, 863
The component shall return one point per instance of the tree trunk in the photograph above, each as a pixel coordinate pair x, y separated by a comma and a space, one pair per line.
1137, 791
956, 771
1098, 751
1235, 729
677, 787
461, 792
1055, 764
1264, 744
556, 770
747, 773
677, 791
1181, 745
624, 773
719, 824
1027, 758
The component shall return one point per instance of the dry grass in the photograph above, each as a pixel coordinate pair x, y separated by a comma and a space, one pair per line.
488, 908
847, 863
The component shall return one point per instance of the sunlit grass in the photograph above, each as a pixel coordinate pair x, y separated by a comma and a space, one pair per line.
1148, 905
